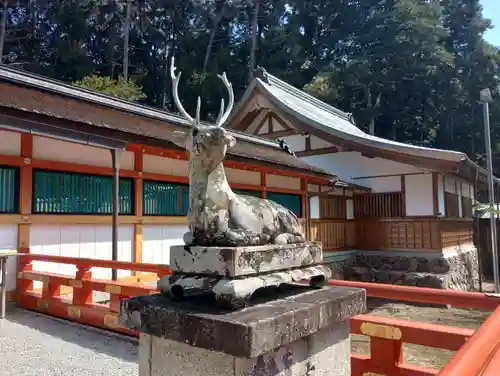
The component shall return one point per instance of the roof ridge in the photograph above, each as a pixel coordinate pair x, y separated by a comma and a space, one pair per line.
63, 88
305, 96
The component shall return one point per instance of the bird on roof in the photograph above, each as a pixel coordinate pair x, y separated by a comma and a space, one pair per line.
284, 146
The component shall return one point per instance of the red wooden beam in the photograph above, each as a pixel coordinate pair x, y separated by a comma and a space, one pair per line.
476, 356
418, 333
121, 265
424, 295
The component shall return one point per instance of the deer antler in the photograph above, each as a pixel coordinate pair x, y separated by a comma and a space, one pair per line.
175, 93
223, 115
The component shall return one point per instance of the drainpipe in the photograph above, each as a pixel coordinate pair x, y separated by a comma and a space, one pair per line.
115, 155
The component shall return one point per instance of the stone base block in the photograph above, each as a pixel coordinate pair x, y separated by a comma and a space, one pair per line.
326, 352
456, 270
237, 293
242, 261
248, 333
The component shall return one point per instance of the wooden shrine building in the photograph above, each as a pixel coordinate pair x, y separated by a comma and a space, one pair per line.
383, 210
59, 145
414, 212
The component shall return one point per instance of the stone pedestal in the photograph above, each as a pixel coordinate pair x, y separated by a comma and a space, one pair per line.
234, 274
305, 332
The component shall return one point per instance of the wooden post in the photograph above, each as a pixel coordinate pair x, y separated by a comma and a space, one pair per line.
25, 208
263, 184
83, 294
403, 195
138, 191
435, 192
115, 155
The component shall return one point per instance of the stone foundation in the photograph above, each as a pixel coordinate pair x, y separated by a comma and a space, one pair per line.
455, 270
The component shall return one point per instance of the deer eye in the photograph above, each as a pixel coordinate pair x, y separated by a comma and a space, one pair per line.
195, 132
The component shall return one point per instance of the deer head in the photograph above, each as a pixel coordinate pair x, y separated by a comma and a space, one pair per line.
206, 144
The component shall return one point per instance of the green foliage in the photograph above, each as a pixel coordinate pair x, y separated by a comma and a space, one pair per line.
117, 88
410, 69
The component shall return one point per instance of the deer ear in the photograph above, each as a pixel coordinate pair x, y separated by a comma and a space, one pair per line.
230, 140
179, 138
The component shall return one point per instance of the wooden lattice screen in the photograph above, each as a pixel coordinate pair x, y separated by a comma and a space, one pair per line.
467, 211
332, 207
451, 204
379, 205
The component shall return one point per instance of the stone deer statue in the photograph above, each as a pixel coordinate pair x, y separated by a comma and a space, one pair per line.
217, 216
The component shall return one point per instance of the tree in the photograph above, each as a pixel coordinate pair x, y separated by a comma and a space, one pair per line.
119, 88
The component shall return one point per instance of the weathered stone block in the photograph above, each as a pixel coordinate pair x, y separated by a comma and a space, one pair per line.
326, 352
247, 333
243, 261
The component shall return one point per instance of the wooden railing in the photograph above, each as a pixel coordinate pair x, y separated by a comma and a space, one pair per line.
478, 353
379, 205
399, 233
79, 306
427, 233
335, 234
455, 232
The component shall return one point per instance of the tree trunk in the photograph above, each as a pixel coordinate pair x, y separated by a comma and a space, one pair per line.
126, 39
3, 29
253, 50
208, 51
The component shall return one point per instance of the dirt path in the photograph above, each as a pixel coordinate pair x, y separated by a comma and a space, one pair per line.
420, 355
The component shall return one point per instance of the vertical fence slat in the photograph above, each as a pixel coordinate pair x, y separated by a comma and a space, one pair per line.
59, 192
7, 189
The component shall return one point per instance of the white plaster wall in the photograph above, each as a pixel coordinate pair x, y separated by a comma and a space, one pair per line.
157, 240
242, 176
256, 122
314, 211
381, 185
276, 126
8, 242
10, 143
88, 241
312, 188
441, 201
166, 166
296, 142
278, 181
349, 209
450, 185
63, 151
419, 195
466, 189
318, 143
347, 165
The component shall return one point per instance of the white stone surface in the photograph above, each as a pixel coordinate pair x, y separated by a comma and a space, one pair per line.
242, 261
325, 353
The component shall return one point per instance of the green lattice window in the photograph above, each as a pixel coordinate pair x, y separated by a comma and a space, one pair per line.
8, 189
169, 199
289, 201
247, 192
70, 193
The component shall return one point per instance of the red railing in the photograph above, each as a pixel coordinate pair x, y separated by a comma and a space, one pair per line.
477, 353
81, 307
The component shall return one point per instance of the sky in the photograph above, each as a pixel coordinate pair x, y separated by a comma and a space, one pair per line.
491, 10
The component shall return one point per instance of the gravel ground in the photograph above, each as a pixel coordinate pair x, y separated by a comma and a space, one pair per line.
35, 345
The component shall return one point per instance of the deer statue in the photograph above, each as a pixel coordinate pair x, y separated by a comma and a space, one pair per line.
217, 216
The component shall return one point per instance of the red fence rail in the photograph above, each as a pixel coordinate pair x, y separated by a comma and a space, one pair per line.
478, 353
81, 307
